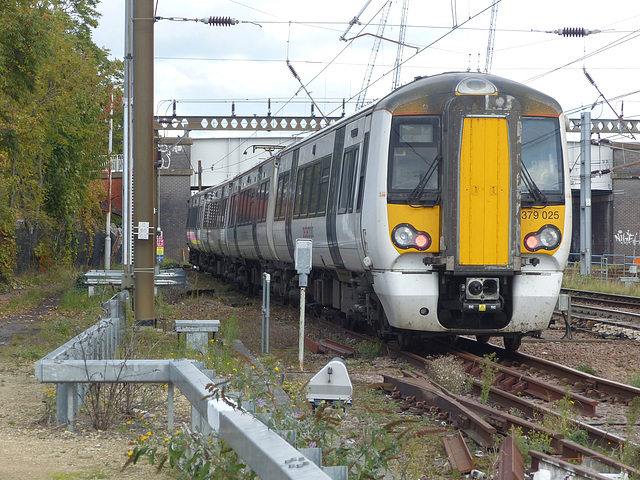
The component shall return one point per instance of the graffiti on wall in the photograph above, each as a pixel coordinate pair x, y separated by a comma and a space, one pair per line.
626, 238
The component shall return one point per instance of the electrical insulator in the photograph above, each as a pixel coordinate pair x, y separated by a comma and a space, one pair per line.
221, 21
573, 32
293, 70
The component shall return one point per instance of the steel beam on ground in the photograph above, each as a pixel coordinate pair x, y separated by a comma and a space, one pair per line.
466, 420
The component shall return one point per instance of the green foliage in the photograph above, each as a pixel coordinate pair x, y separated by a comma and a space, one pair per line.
489, 371
587, 369
369, 349
532, 440
55, 91
562, 421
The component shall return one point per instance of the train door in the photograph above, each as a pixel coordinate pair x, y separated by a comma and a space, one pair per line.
348, 222
484, 194
332, 201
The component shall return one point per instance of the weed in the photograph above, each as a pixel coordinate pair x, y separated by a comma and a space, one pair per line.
449, 372
489, 370
634, 380
369, 349
587, 369
532, 440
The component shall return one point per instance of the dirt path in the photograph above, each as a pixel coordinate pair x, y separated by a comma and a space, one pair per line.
29, 450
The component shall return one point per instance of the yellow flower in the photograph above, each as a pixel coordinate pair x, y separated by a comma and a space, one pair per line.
130, 453
277, 369
149, 433
143, 438
166, 439
129, 422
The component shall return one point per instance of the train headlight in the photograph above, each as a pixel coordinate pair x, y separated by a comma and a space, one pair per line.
405, 236
547, 238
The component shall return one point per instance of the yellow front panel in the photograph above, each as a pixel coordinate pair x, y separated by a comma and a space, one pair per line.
533, 219
484, 213
425, 219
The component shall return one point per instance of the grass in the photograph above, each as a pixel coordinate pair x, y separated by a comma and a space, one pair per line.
573, 279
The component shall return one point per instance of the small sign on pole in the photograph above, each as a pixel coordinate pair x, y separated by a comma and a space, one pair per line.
303, 259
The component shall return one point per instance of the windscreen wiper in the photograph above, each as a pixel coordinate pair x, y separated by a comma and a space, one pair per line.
416, 193
531, 185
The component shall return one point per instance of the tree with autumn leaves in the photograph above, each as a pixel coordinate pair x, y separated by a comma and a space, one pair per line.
55, 91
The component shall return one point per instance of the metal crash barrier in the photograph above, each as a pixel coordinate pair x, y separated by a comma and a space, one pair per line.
90, 358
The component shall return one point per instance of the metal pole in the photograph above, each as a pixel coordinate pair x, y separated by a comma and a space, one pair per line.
107, 237
303, 293
585, 194
143, 161
127, 243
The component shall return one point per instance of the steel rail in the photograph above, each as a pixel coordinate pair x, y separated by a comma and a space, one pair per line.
606, 389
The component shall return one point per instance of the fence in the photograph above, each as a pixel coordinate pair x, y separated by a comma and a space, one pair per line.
91, 358
609, 266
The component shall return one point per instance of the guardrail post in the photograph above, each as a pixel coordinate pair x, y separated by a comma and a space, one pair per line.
170, 397
61, 403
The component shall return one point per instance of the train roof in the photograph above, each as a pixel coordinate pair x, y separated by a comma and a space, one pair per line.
428, 94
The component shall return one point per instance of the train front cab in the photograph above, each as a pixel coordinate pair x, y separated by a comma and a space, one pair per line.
476, 194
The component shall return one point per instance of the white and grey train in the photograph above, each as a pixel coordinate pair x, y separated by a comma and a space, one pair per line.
442, 209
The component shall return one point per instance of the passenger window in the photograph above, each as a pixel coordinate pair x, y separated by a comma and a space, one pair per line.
299, 189
306, 191
345, 202
363, 169
324, 185
315, 188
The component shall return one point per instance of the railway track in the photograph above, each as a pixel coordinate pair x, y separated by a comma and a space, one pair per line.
595, 312
585, 297
525, 390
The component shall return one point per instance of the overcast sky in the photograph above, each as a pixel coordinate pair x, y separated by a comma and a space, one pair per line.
204, 67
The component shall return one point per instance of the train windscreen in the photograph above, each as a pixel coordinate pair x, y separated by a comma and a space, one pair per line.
542, 174
414, 160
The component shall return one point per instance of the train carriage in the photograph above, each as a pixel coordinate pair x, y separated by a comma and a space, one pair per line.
440, 209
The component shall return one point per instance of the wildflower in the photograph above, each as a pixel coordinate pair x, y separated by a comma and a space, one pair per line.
313, 445
277, 369
130, 453
128, 422
149, 433
260, 402
143, 438
166, 439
